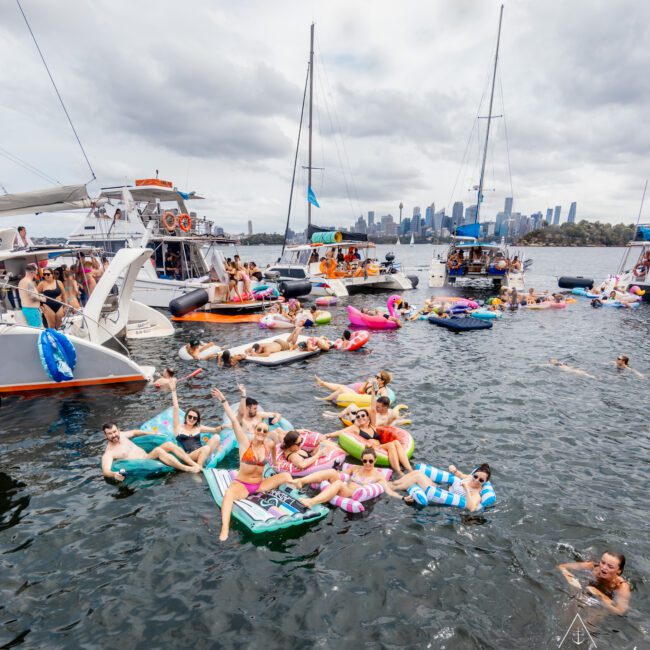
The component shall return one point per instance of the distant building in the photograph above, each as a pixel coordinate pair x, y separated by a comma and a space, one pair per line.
387, 224
572, 213
371, 218
507, 208
219, 231
428, 217
438, 218
250, 227
470, 213
549, 216
405, 226
536, 220
457, 214
360, 225
556, 215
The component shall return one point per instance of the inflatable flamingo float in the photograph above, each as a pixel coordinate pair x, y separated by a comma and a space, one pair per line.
359, 319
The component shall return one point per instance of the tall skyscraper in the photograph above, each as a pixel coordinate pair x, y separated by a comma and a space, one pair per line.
549, 216
371, 218
507, 208
250, 228
457, 214
470, 213
556, 215
572, 213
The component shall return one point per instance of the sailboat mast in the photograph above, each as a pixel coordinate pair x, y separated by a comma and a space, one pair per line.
311, 113
489, 121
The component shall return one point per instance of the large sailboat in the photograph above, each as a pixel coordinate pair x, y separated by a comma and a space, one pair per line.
468, 259
348, 261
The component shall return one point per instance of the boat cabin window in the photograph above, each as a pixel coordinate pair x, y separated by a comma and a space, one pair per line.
177, 260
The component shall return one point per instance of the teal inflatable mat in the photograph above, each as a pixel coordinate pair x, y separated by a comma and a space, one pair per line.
161, 427
264, 512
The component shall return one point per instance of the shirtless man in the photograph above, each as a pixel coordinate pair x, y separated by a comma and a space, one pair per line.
30, 299
120, 447
194, 348
227, 360
623, 363
386, 416
606, 582
276, 345
249, 416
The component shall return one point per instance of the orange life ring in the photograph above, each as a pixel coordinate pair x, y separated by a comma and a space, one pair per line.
185, 222
169, 221
453, 263
639, 271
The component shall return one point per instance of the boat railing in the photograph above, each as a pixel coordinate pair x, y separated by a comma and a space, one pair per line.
69, 309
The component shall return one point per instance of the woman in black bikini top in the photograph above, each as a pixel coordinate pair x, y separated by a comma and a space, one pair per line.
53, 290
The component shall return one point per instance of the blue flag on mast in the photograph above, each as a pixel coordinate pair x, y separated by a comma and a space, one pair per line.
311, 197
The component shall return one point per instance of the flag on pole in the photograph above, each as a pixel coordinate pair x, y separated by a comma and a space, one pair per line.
311, 197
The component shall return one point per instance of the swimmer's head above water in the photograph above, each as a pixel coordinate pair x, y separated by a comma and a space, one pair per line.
111, 431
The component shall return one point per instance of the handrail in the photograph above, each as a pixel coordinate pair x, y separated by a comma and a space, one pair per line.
5, 285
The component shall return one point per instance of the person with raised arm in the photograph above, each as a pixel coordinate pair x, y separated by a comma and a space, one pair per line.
253, 456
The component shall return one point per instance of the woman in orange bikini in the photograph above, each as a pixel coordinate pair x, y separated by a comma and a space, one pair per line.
253, 456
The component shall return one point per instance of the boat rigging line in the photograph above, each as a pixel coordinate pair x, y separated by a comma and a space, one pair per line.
58, 94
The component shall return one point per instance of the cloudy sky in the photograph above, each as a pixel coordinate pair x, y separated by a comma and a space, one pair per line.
209, 93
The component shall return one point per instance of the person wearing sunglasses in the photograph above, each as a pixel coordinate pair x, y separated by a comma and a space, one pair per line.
623, 363
54, 291
188, 433
249, 415
359, 476
253, 456
292, 445
382, 379
465, 487
364, 426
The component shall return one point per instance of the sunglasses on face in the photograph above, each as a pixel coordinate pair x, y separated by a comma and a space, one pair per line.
192, 417
261, 429
47, 275
359, 416
368, 461
478, 478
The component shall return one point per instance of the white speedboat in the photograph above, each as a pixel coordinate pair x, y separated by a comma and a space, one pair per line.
317, 263
471, 262
23, 370
154, 214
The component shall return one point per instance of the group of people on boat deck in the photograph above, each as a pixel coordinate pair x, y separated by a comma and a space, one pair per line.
44, 292
241, 272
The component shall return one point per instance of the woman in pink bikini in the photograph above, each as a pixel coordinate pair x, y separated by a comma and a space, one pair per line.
253, 456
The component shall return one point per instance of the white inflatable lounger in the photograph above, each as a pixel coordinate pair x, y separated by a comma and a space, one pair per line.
277, 358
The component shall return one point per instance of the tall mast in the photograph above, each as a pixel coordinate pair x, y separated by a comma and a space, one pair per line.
489, 120
311, 113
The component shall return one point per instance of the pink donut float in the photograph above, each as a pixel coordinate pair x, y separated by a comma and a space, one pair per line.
357, 340
312, 440
326, 301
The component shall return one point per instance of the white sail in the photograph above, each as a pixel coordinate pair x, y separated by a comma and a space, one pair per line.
398, 242
412, 240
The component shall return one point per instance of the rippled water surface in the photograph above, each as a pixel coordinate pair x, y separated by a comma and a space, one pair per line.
87, 564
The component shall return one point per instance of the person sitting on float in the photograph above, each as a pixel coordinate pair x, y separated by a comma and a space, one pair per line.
359, 476
188, 433
293, 309
606, 580
364, 426
302, 458
383, 378
464, 485
386, 416
315, 343
194, 348
253, 457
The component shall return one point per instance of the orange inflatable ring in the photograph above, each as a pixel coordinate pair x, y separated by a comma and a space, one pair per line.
169, 221
185, 222
372, 269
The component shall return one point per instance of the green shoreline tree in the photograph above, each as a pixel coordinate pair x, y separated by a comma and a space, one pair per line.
583, 233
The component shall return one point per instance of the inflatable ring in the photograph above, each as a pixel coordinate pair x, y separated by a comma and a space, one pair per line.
186, 356
453, 264
169, 221
362, 400
57, 353
354, 504
185, 222
326, 301
311, 442
442, 497
324, 318
357, 340
354, 444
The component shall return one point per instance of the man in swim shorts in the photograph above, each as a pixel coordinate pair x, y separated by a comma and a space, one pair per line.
276, 345
120, 447
30, 299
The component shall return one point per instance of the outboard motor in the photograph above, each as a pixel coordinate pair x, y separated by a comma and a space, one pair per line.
566, 282
294, 288
188, 302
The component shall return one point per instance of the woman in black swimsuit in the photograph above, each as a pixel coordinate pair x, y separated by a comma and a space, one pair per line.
53, 290
364, 426
188, 434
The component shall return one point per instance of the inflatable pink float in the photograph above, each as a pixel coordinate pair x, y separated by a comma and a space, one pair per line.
359, 319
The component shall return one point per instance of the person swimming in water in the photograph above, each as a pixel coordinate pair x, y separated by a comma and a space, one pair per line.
358, 477
567, 368
228, 360
623, 363
194, 348
253, 457
606, 581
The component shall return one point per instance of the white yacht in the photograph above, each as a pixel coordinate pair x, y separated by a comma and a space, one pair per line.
317, 263
154, 214
471, 262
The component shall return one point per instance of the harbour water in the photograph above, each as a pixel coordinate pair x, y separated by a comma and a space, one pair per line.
88, 564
